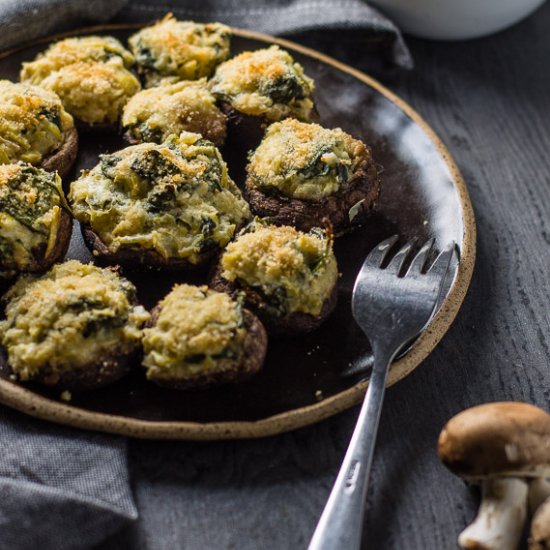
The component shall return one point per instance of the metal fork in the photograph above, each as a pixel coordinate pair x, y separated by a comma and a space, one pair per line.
391, 309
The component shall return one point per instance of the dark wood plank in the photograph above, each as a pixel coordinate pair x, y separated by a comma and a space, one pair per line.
489, 101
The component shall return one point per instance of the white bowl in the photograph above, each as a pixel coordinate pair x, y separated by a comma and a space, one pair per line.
455, 19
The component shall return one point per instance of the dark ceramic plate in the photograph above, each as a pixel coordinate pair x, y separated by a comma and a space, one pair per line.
308, 378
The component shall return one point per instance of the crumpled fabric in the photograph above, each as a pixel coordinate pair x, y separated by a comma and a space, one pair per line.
24, 20
60, 488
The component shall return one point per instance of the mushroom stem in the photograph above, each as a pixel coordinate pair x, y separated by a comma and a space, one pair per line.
539, 538
499, 522
539, 491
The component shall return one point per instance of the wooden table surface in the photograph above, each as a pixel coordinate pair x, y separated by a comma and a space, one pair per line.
489, 100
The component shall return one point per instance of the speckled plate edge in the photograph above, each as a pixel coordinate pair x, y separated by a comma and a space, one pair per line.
38, 406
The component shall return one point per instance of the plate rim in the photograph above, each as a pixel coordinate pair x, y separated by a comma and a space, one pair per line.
38, 406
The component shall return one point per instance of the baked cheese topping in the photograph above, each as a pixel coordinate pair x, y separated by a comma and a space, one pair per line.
267, 83
33, 123
31, 201
68, 318
175, 199
295, 271
197, 331
89, 74
89, 49
153, 114
305, 161
180, 49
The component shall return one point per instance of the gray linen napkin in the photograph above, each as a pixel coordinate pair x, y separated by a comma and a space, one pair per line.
60, 488
23, 20
63, 489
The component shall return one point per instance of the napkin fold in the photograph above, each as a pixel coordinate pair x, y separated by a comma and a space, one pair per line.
24, 20
64, 489
60, 488
331, 22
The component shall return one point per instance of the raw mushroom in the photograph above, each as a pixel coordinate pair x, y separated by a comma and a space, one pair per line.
539, 491
539, 538
502, 447
539, 506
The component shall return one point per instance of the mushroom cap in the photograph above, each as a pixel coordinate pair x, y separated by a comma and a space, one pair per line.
539, 538
497, 440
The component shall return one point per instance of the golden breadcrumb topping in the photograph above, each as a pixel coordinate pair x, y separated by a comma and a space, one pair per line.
180, 49
69, 317
88, 49
175, 198
305, 161
266, 82
196, 329
296, 271
90, 75
155, 113
33, 122
31, 201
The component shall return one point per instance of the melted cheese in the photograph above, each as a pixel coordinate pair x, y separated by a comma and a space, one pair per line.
195, 330
30, 207
295, 271
182, 49
305, 161
266, 83
89, 74
68, 318
154, 114
175, 198
33, 122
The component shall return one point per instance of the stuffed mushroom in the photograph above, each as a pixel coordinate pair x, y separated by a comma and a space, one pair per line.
35, 224
289, 278
307, 176
179, 50
91, 76
267, 84
35, 128
256, 88
154, 114
198, 337
171, 205
76, 327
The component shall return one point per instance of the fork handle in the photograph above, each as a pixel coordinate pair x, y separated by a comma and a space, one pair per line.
340, 525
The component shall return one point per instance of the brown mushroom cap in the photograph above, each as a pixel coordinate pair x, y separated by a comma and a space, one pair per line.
497, 440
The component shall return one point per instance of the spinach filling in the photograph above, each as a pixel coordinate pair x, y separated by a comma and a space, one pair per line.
6, 248
290, 271
206, 241
305, 161
149, 134
175, 198
284, 90
144, 56
317, 168
152, 165
72, 317
161, 199
108, 164
52, 114
197, 331
26, 213
30, 199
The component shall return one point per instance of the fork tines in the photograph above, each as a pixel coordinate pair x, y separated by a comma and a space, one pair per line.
417, 265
